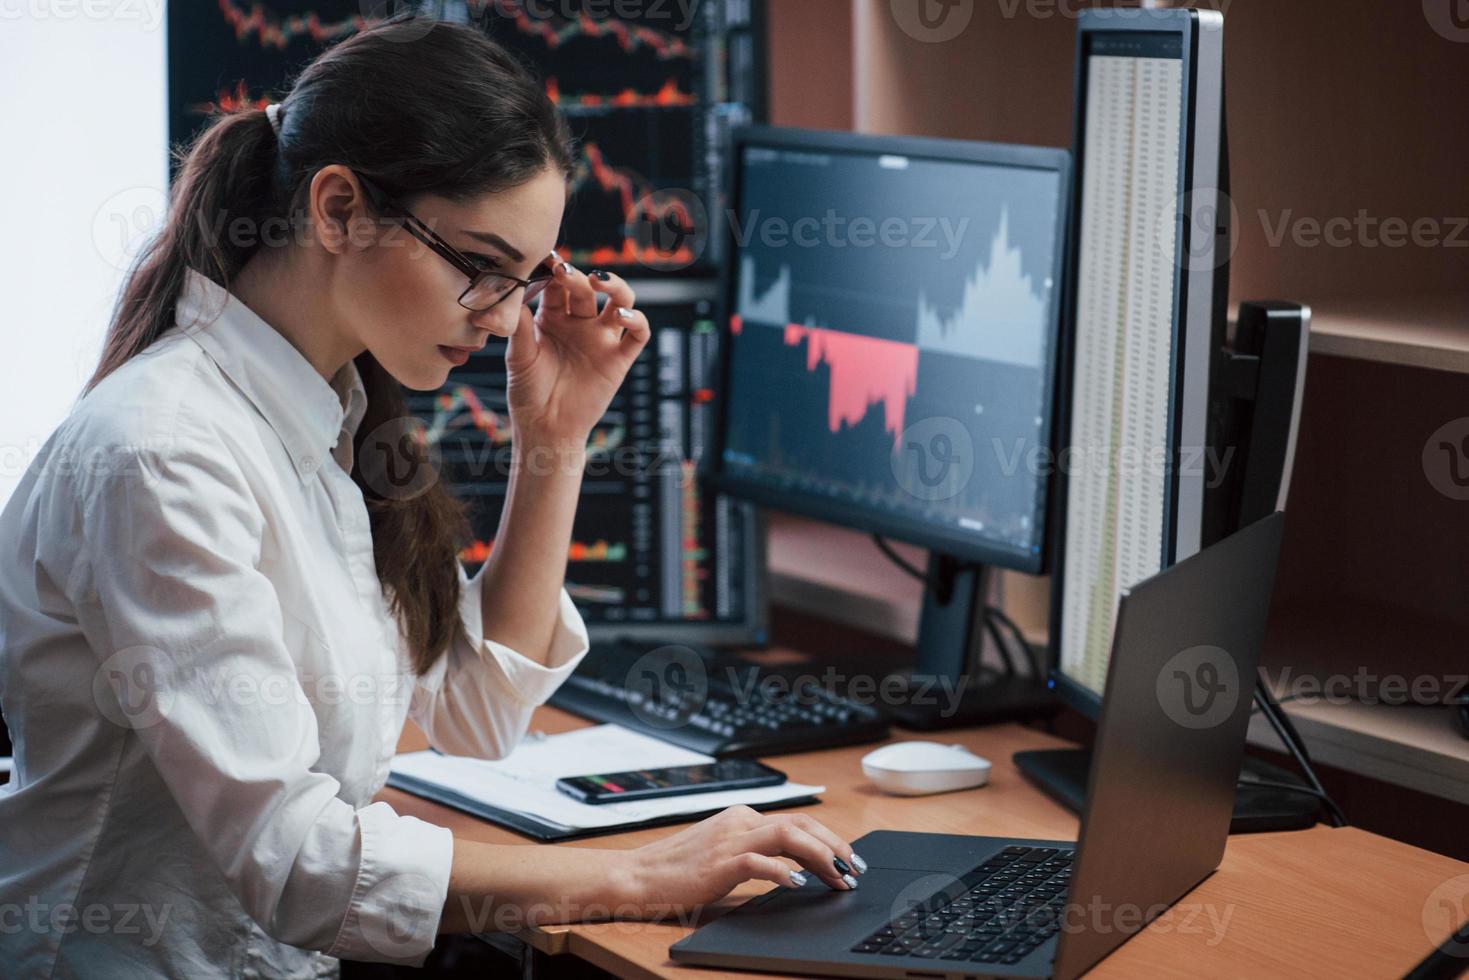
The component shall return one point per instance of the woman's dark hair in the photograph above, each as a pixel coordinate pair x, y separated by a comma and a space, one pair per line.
417, 108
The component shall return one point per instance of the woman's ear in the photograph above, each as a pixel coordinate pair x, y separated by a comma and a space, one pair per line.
339, 210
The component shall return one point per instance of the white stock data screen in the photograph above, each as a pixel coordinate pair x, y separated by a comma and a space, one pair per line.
1117, 465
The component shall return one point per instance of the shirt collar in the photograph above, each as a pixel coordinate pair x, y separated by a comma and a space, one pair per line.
311, 417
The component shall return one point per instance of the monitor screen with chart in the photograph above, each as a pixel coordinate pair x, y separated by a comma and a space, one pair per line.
648, 91
892, 334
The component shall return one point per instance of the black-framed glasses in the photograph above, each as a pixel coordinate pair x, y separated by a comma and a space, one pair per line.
487, 288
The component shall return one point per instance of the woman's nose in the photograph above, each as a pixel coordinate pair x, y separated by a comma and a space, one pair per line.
501, 319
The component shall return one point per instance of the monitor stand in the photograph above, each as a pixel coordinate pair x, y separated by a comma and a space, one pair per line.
1062, 774
948, 687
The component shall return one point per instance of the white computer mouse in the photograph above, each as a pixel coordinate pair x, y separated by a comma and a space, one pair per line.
918, 768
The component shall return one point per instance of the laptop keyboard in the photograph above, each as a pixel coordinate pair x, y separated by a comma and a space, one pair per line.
997, 913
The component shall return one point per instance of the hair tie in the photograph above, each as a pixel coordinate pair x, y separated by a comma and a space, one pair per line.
273, 113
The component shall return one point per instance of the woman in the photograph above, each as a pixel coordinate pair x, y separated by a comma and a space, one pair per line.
228, 594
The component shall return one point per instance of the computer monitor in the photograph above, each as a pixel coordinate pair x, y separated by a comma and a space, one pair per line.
1148, 281
648, 90
654, 555
1153, 404
890, 350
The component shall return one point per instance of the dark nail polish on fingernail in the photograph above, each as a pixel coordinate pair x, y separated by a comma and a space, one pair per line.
842, 866
604, 276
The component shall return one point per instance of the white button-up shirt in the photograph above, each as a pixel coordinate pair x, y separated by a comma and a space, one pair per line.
204, 684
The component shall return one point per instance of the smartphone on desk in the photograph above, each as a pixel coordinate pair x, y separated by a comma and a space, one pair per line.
648, 784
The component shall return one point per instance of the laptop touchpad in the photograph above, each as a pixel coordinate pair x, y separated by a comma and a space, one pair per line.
785, 921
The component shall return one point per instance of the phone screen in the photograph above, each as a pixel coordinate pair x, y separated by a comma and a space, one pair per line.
635, 783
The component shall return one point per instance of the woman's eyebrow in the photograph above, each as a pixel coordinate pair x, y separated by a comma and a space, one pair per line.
491, 238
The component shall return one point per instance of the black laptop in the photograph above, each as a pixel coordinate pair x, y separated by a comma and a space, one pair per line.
1169, 744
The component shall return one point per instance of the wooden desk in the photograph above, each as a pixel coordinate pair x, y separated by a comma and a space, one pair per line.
1317, 903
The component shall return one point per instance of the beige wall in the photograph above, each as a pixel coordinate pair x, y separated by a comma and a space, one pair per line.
1334, 109
811, 63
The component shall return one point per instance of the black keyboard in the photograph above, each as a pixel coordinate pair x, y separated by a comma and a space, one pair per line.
996, 913
714, 702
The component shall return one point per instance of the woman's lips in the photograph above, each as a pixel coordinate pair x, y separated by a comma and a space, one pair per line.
456, 356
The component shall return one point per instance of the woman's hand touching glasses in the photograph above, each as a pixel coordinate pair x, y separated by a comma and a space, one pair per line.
567, 359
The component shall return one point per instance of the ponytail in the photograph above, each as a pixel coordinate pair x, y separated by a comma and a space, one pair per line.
226, 173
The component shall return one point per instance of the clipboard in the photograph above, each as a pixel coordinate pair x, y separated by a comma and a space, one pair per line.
548, 832
526, 778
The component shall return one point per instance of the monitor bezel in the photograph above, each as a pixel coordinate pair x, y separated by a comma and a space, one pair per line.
1186, 23
847, 514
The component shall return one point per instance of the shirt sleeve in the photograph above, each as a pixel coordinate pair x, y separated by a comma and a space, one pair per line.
477, 699
173, 605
